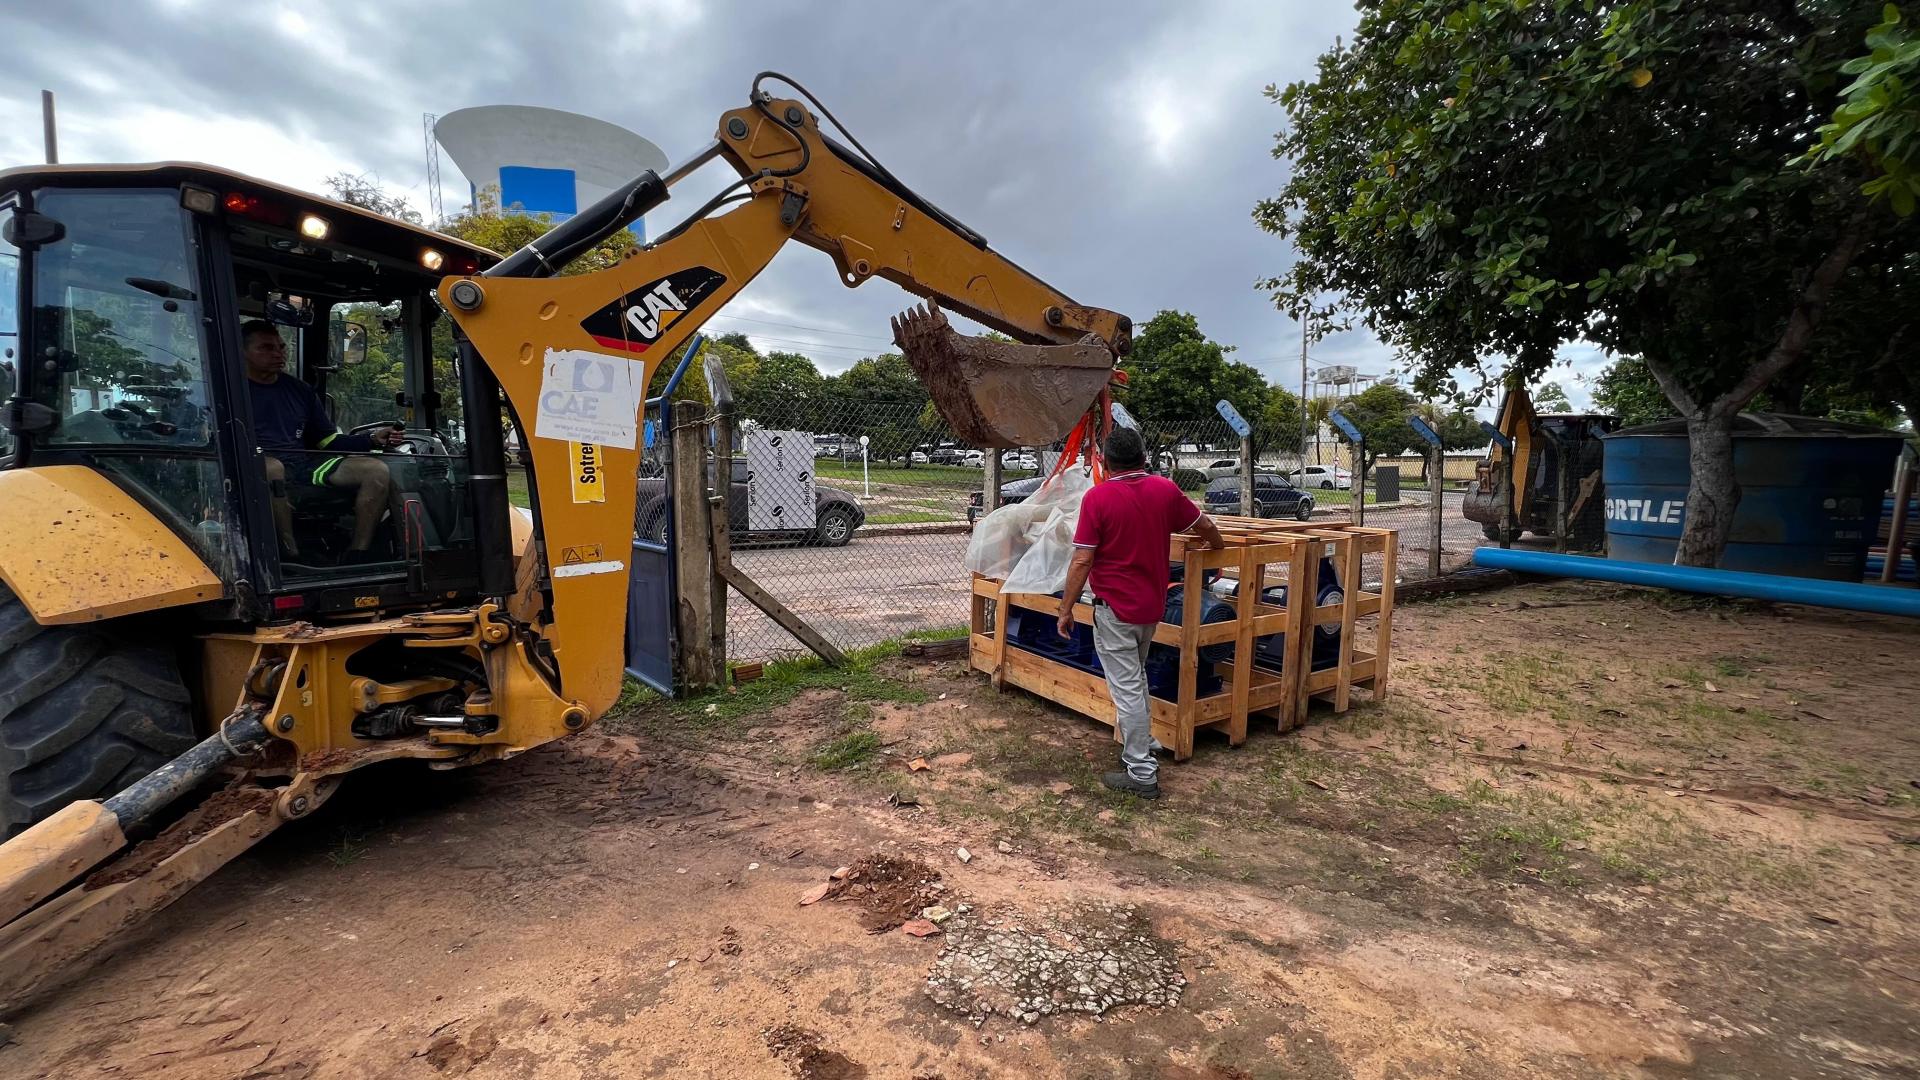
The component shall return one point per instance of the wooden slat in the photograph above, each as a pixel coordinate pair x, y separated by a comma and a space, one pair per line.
1252, 576
1190, 649
1348, 562
1301, 583
1383, 635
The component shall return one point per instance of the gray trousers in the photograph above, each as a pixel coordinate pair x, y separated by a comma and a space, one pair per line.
1122, 647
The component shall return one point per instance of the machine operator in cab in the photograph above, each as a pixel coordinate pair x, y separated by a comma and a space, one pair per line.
300, 442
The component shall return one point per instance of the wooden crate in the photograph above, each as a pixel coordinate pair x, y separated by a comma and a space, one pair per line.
1259, 554
1348, 545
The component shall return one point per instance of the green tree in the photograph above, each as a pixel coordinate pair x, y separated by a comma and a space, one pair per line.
364, 190
1550, 397
785, 392
1629, 391
1175, 374
1380, 412
486, 225
879, 397
1279, 424
1499, 178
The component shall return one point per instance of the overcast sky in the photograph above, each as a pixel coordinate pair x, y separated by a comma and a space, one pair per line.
1114, 148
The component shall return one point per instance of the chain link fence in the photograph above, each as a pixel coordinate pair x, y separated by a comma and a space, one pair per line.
856, 513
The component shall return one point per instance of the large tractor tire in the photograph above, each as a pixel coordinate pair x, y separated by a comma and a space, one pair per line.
84, 711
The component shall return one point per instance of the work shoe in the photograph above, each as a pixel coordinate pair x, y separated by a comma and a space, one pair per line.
1124, 781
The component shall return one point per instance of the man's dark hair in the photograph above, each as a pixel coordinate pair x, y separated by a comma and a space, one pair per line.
256, 326
1124, 449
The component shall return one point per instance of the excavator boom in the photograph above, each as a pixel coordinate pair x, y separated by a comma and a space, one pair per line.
575, 354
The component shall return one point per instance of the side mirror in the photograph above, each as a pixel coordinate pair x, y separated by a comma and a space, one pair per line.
350, 342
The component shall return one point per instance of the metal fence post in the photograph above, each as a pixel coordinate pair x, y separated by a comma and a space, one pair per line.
990, 482
692, 547
1246, 477
1437, 492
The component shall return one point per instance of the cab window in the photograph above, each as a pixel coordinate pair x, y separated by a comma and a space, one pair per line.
117, 309
369, 350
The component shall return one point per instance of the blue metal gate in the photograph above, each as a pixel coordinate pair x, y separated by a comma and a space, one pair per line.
652, 590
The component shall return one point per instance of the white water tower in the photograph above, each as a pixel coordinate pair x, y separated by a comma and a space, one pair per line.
545, 161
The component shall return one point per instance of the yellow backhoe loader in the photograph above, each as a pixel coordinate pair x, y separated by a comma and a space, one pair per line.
184, 611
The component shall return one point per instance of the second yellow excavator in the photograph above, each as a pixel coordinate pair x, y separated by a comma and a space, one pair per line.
189, 600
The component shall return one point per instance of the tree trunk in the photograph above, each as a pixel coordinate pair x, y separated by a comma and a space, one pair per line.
1712, 493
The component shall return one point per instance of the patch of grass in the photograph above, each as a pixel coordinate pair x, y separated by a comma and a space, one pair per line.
784, 680
736, 709
850, 751
347, 850
910, 517
1733, 667
940, 633
633, 693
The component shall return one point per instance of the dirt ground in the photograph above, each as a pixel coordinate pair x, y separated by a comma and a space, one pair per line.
1589, 832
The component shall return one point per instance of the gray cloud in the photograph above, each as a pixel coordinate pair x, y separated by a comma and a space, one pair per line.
1116, 149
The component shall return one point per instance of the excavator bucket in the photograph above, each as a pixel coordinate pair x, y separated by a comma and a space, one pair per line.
1001, 393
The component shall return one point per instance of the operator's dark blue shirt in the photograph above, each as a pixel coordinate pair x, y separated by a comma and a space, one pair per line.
288, 415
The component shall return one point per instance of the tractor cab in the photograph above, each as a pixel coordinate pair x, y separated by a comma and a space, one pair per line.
146, 313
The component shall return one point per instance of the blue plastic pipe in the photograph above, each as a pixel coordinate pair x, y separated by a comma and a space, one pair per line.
1851, 596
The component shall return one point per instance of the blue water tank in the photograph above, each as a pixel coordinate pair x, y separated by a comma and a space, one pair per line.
1810, 493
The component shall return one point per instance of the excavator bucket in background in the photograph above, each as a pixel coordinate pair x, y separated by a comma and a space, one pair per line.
1001, 394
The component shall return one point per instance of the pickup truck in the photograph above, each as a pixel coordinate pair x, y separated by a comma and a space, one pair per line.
836, 513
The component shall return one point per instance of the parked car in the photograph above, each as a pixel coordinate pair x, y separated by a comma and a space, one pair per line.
973, 459
836, 513
1013, 491
917, 458
1223, 467
946, 455
1274, 496
1325, 477
1018, 459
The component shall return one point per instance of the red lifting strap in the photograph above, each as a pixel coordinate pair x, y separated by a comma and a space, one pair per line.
1090, 434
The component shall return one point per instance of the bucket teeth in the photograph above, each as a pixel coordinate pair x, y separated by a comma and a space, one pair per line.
1001, 394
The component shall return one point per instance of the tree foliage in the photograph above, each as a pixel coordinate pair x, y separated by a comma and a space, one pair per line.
1627, 390
1380, 412
884, 390
506, 231
364, 190
1551, 397
786, 392
1175, 374
1280, 424
1879, 119
1484, 182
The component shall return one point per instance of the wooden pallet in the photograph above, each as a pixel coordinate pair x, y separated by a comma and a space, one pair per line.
1259, 553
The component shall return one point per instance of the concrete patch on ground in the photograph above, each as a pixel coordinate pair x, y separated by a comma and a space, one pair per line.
1082, 959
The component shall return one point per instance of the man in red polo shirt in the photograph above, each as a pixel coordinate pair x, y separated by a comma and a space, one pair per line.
1121, 543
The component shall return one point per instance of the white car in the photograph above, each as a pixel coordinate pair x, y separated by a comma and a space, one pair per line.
973, 459
1325, 477
1018, 460
1223, 467
917, 458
